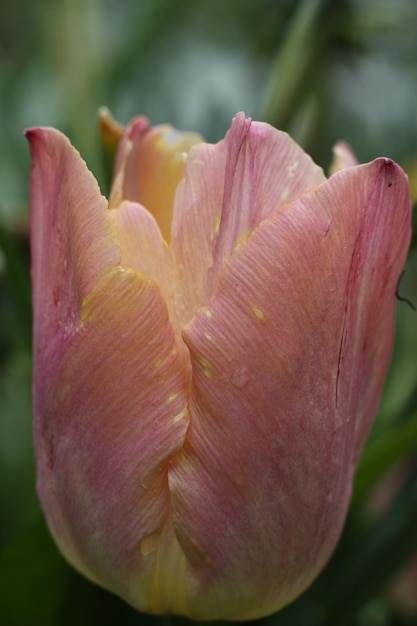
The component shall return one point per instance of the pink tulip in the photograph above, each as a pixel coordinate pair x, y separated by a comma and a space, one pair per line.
210, 347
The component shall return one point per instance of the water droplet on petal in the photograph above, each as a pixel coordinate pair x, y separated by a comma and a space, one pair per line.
149, 544
240, 377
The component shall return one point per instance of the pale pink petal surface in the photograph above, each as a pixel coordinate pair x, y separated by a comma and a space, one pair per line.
288, 360
228, 190
74, 240
110, 383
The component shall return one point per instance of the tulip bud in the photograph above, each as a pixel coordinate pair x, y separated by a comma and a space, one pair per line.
210, 347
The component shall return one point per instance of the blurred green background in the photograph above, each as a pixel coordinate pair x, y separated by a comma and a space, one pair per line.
322, 70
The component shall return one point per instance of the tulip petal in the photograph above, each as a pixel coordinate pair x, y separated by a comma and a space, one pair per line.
149, 166
343, 156
131, 136
110, 386
144, 250
229, 188
109, 418
110, 131
288, 361
84, 244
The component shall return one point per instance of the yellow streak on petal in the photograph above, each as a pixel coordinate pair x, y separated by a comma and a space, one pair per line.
242, 238
149, 544
208, 313
217, 221
257, 312
168, 592
180, 416
285, 194
157, 362
292, 169
205, 365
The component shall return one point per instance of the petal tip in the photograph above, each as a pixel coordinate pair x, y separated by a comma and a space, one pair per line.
33, 134
390, 170
240, 124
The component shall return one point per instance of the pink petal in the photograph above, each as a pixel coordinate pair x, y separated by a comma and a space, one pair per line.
288, 363
228, 190
110, 385
84, 244
109, 417
123, 189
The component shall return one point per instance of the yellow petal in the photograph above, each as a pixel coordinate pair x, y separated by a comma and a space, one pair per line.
149, 166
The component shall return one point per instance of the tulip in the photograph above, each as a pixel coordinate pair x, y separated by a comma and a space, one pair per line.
210, 347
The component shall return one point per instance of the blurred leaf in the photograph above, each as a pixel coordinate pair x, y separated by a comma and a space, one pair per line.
32, 579
39, 588
379, 456
300, 58
375, 558
148, 23
17, 483
16, 284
